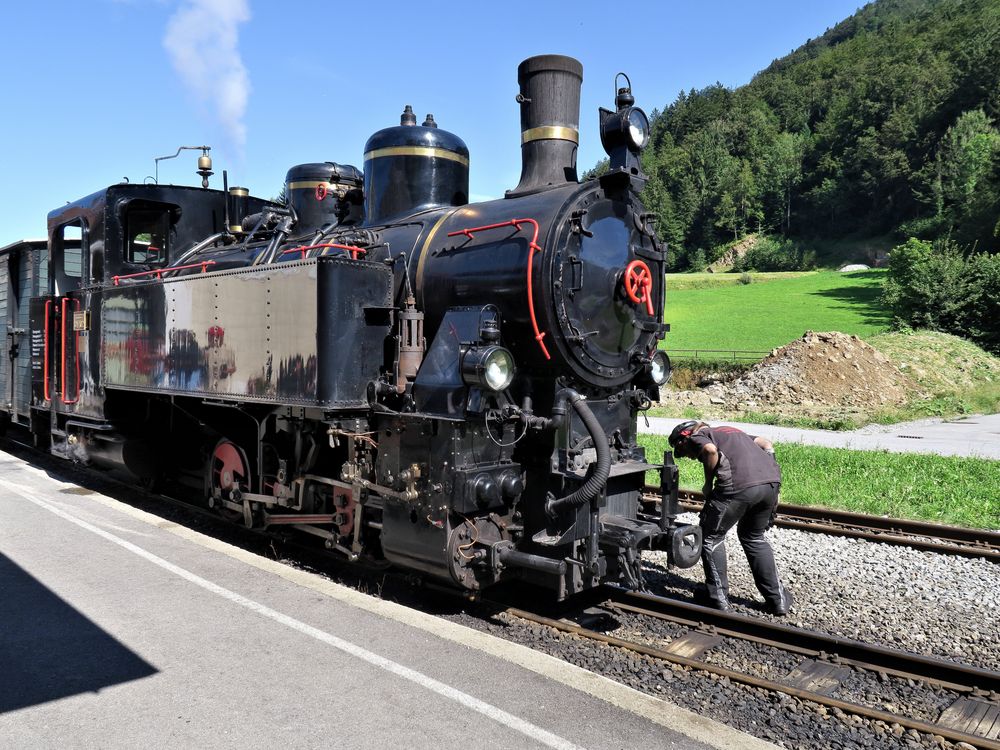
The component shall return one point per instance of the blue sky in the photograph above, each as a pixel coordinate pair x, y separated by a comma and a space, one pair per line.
94, 90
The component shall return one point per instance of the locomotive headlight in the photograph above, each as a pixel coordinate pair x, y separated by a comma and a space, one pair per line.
659, 367
638, 128
490, 367
627, 128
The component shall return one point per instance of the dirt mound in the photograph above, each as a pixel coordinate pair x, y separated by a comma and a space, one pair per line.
819, 374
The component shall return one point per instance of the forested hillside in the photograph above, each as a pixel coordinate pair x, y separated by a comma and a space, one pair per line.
889, 123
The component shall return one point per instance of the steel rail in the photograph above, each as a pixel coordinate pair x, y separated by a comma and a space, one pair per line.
953, 675
967, 679
931, 537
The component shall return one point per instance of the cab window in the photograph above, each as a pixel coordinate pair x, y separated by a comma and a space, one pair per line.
147, 234
69, 251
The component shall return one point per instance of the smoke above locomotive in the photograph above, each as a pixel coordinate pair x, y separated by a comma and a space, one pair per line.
451, 387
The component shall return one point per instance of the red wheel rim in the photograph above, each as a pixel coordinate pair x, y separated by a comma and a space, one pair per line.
228, 468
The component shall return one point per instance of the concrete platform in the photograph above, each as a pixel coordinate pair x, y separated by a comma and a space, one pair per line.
122, 629
977, 436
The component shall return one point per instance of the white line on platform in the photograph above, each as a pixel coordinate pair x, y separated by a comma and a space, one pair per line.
490, 711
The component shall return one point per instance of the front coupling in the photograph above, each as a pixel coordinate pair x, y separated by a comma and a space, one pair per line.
685, 545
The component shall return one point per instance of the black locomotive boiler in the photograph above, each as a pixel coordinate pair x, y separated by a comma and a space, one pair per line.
451, 387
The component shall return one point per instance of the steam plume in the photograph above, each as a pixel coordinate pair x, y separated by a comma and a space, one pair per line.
202, 40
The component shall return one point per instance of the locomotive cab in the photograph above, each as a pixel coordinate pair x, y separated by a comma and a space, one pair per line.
120, 236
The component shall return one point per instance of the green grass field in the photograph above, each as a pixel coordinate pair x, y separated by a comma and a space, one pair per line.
771, 311
678, 281
941, 489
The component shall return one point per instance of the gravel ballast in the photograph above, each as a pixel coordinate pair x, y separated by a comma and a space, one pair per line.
928, 603
932, 604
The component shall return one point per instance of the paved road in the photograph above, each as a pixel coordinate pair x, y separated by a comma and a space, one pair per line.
969, 436
119, 629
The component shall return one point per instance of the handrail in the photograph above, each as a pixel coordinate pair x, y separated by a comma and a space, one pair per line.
534, 246
45, 355
304, 249
160, 271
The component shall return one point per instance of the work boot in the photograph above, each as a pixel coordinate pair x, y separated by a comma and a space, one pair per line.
784, 604
702, 597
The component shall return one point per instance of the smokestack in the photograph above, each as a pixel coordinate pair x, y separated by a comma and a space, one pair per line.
550, 121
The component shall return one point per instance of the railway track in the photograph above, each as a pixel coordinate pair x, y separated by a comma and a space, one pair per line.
950, 540
822, 665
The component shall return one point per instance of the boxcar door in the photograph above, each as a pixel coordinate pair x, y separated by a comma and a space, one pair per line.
34, 282
15, 267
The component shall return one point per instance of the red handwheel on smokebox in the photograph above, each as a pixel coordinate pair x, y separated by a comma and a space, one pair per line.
639, 284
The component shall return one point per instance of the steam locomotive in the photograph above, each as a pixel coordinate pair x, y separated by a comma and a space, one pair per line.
447, 386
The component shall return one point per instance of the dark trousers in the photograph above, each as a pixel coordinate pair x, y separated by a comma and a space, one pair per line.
752, 509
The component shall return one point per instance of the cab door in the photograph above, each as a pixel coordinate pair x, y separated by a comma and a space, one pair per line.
69, 321
61, 316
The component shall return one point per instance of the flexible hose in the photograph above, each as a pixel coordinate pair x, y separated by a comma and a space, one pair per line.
599, 478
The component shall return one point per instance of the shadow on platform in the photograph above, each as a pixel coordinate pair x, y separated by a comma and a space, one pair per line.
48, 650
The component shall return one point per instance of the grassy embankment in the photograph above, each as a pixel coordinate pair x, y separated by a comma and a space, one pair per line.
940, 489
956, 375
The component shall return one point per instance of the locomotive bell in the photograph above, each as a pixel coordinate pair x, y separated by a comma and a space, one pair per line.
205, 168
550, 121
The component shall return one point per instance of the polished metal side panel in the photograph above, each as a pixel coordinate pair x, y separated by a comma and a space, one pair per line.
302, 332
249, 334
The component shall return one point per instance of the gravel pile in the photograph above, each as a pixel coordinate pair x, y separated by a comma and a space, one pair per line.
819, 370
919, 601
820, 374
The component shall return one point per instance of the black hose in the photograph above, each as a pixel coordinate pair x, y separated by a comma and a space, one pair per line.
599, 477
